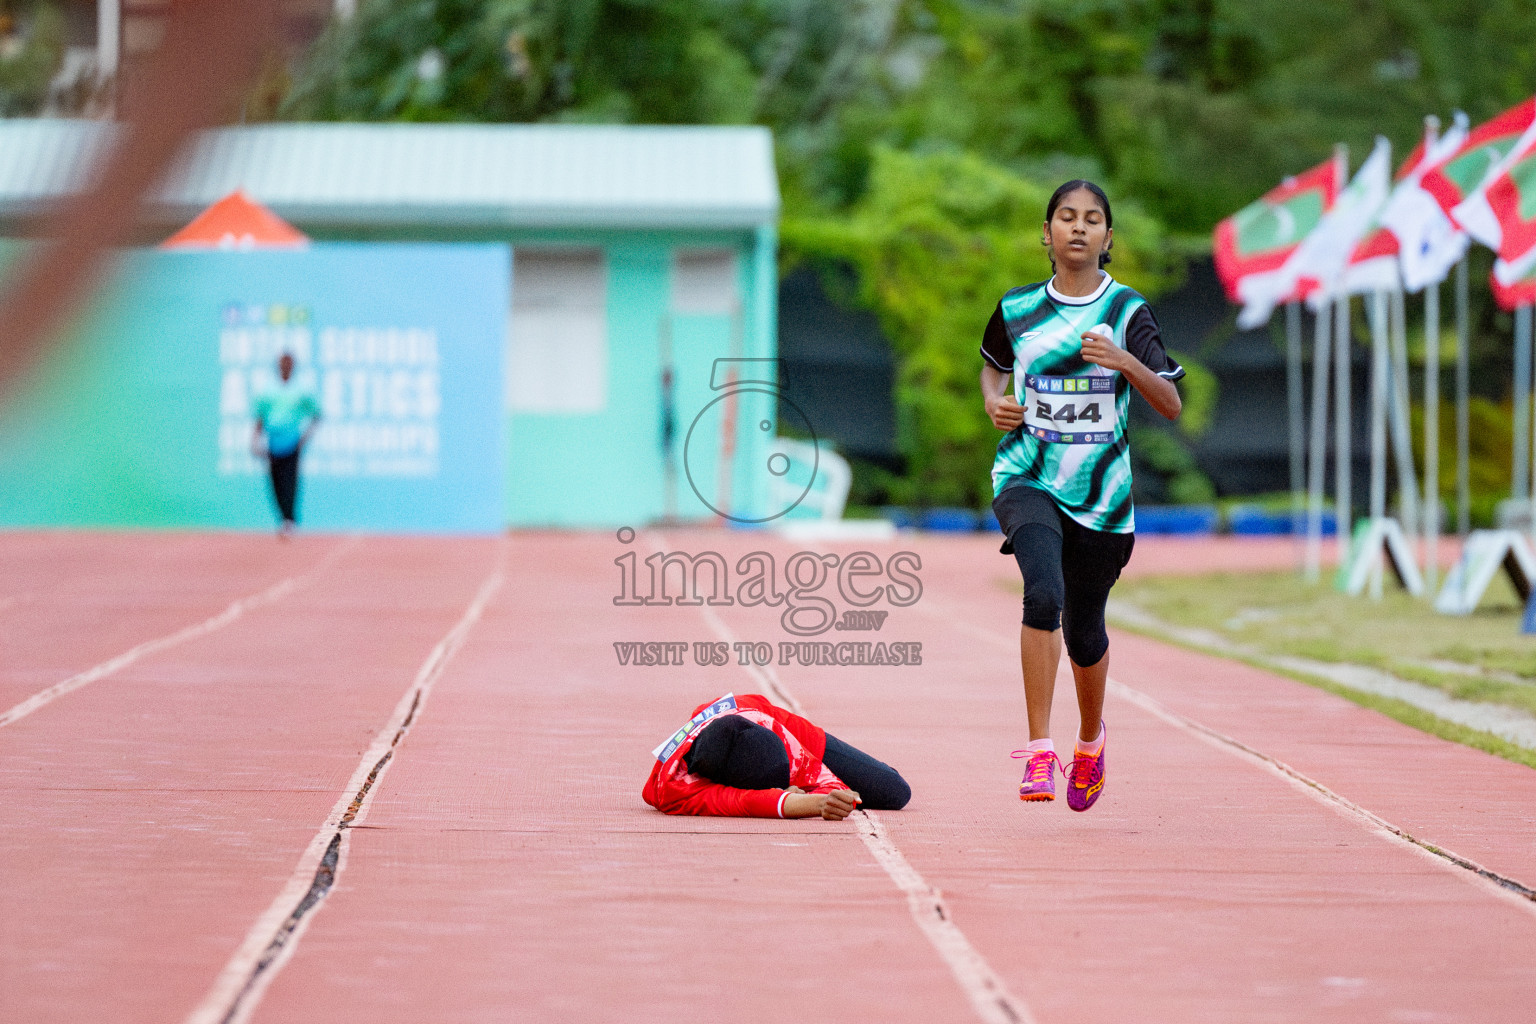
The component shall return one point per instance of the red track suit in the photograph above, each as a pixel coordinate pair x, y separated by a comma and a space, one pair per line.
673, 790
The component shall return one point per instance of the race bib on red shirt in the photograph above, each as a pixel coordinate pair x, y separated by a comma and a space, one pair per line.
669, 746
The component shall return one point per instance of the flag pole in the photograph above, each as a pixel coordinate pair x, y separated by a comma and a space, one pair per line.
1523, 337
1431, 437
1343, 462
1319, 454
1378, 316
1463, 388
1397, 407
1343, 515
1431, 410
1520, 474
1295, 400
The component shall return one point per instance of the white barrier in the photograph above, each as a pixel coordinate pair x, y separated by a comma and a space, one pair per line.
1483, 555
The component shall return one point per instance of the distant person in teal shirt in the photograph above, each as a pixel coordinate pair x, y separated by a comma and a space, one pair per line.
287, 414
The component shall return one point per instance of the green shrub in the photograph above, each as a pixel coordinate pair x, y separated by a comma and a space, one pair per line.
29, 60
1490, 455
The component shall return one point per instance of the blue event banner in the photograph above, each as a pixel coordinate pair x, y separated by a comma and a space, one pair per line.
402, 346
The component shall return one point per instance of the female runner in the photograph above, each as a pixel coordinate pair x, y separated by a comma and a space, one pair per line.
1075, 346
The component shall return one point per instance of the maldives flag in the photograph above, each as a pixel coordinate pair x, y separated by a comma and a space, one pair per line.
1375, 265
1256, 241
1502, 214
1429, 242
1514, 284
1323, 256
1461, 174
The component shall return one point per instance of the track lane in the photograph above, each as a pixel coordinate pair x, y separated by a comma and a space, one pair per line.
1202, 887
1170, 901
511, 868
79, 600
1465, 800
235, 610
273, 938
145, 824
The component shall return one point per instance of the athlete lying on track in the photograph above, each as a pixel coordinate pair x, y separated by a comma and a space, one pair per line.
742, 756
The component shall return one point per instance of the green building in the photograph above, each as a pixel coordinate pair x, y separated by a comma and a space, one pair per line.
640, 257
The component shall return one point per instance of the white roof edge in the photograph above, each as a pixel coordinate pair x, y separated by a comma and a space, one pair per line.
460, 176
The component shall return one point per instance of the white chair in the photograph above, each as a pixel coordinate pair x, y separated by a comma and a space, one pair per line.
819, 513
828, 492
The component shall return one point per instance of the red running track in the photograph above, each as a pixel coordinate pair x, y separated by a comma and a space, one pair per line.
502, 865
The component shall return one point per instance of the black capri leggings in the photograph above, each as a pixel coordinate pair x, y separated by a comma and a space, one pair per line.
1068, 569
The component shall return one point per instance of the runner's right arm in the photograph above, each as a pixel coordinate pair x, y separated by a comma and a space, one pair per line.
996, 371
1005, 413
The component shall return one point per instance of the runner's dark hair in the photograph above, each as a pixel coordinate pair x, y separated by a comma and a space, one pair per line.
1062, 191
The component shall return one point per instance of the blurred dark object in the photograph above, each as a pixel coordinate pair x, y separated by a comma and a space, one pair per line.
838, 368
209, 56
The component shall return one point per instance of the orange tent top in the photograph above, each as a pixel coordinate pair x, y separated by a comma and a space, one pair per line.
237, 222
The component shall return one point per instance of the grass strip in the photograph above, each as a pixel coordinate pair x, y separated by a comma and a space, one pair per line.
1399, 710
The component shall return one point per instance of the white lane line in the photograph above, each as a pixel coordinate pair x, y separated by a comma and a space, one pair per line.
276, 592
988, 996
764, 674
271, 940
1499, 885
1505, 888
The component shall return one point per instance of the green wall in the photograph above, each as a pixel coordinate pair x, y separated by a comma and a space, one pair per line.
608, 468
128, 421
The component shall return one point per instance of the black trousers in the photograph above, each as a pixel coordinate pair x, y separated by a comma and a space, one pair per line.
880, 787
285, 484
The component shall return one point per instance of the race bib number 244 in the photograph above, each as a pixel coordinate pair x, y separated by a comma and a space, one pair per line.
1070, 410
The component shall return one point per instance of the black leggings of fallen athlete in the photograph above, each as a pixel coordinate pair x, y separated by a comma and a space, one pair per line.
880, 787
285, 484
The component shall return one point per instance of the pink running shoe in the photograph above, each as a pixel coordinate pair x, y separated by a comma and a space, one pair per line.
1085, 779
1039, 774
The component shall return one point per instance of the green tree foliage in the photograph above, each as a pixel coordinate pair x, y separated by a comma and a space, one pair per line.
1161, 452
31, 50
653, 61
917, 139
1192, 107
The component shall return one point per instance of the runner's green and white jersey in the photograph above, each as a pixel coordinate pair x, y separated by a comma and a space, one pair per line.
1072, 444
